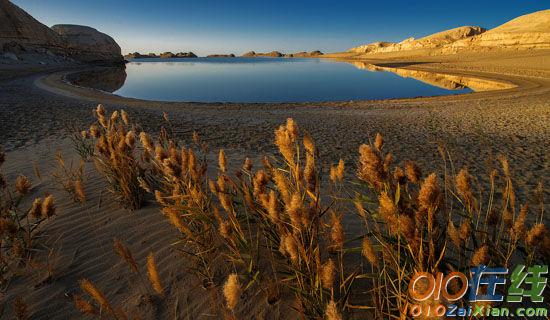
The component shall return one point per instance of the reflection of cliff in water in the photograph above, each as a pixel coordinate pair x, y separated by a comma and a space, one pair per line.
105, 79
445, 81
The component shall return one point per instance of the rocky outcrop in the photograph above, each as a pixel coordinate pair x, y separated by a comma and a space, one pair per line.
18, 27
221, 56
371, 47
277, 54
137, 55
272, 54
178, 55
249, 54
186, 55
436, 40
167, 55
304, 54
531, 31
23, 36
89, 45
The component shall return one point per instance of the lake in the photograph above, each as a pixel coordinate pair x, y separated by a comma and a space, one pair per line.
274, 80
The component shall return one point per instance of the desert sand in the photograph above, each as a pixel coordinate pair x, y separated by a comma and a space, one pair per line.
474, 127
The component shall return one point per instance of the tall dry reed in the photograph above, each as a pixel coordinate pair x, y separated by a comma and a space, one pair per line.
279, 227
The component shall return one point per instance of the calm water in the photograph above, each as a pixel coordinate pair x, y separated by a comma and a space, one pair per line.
265, 80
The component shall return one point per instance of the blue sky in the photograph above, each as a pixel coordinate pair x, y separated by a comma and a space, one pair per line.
208, 26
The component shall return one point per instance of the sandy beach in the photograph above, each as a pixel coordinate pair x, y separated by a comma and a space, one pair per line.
35, 108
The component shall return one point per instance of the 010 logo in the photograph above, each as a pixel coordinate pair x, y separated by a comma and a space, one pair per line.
431, 291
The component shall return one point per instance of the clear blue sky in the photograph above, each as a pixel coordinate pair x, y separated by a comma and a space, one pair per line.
208, 26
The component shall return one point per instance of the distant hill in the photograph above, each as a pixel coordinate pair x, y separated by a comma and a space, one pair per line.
530, 31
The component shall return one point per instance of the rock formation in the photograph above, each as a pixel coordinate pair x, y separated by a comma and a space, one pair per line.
168, 54
221, 56
186, 55
530, 31
249, 54
272, 54
20, 33
137, 55
23, 36
304, 54
436, 40
89, 45
277, 54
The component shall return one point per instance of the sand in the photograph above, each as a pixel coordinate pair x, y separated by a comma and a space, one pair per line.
34, 109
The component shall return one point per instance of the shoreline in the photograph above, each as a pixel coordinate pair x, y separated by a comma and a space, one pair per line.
57, 83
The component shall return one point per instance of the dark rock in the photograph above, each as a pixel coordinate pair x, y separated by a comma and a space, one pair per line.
221, 56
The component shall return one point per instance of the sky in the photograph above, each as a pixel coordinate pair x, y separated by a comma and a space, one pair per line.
209, 26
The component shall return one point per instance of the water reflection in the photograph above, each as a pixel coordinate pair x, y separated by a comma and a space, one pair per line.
105, 79
444, 81
272, 80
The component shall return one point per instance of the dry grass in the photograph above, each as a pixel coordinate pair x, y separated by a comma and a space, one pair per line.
276, 231
70, 178
116, 158
18, 226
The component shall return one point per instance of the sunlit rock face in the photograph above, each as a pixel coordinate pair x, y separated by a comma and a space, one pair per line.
89, 45
436, 40
530, 31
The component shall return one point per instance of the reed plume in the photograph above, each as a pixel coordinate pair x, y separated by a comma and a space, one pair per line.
222, 162
369, 252
454, 234
96, 294
22, 185
332, 312
84, 306
232, 291
328, 271
535, 236
48, 207
428, 196
378, 142
480, 256
36, 208
153, 274
125, 254
413, 172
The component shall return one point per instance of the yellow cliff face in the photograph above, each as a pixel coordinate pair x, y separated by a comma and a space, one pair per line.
530, 31
441, 80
